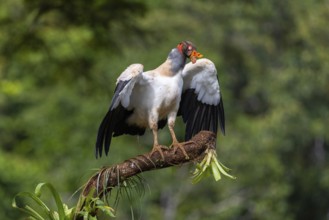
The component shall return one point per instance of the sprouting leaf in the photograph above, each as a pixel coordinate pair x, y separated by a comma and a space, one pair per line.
210, 165
215, 171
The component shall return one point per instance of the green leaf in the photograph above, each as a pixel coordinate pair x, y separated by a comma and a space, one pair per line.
57, 198
215, 171
27, 209
210, 165
44, 212
222, 168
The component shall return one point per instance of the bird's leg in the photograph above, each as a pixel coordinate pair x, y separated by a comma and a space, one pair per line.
175, 143
156, 146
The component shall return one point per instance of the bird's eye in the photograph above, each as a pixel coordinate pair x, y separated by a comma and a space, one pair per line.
189, 47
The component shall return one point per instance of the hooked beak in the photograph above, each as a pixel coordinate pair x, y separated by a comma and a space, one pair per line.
194, 55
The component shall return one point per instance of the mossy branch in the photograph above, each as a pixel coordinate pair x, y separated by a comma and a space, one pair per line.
108, 177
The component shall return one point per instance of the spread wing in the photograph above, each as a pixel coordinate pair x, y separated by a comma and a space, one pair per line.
114, 120
201, 105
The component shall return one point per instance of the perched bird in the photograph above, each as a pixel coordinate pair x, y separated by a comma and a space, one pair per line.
154, 98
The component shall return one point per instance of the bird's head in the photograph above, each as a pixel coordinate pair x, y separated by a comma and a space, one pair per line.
188, 49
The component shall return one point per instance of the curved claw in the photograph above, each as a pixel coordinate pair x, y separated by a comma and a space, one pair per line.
158, 148
177, 146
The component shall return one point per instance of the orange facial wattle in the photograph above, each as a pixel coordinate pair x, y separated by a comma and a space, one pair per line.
194, 55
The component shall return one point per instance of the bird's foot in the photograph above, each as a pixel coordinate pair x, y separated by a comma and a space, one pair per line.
180, 146
158, 148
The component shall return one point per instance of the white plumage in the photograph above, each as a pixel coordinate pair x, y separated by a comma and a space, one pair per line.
202, 76
153, 98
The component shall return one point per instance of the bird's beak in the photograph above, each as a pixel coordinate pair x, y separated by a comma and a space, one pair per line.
194, 55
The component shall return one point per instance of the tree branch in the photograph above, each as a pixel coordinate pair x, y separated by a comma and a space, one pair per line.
108, 177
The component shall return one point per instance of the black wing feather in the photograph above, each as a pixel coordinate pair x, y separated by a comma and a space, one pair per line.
114, 123
221, 115
102, 130
200, 116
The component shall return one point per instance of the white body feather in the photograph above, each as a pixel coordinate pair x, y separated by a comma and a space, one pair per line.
152, 96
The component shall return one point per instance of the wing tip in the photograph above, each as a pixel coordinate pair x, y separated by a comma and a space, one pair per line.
104, 136
222, 116
223, 130
99, 150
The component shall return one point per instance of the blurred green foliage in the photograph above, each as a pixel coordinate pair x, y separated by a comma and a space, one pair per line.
58, 65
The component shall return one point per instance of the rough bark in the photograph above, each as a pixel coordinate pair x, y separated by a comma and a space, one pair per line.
108, 177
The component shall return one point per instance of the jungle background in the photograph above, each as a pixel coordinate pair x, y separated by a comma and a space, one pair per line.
59, 61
